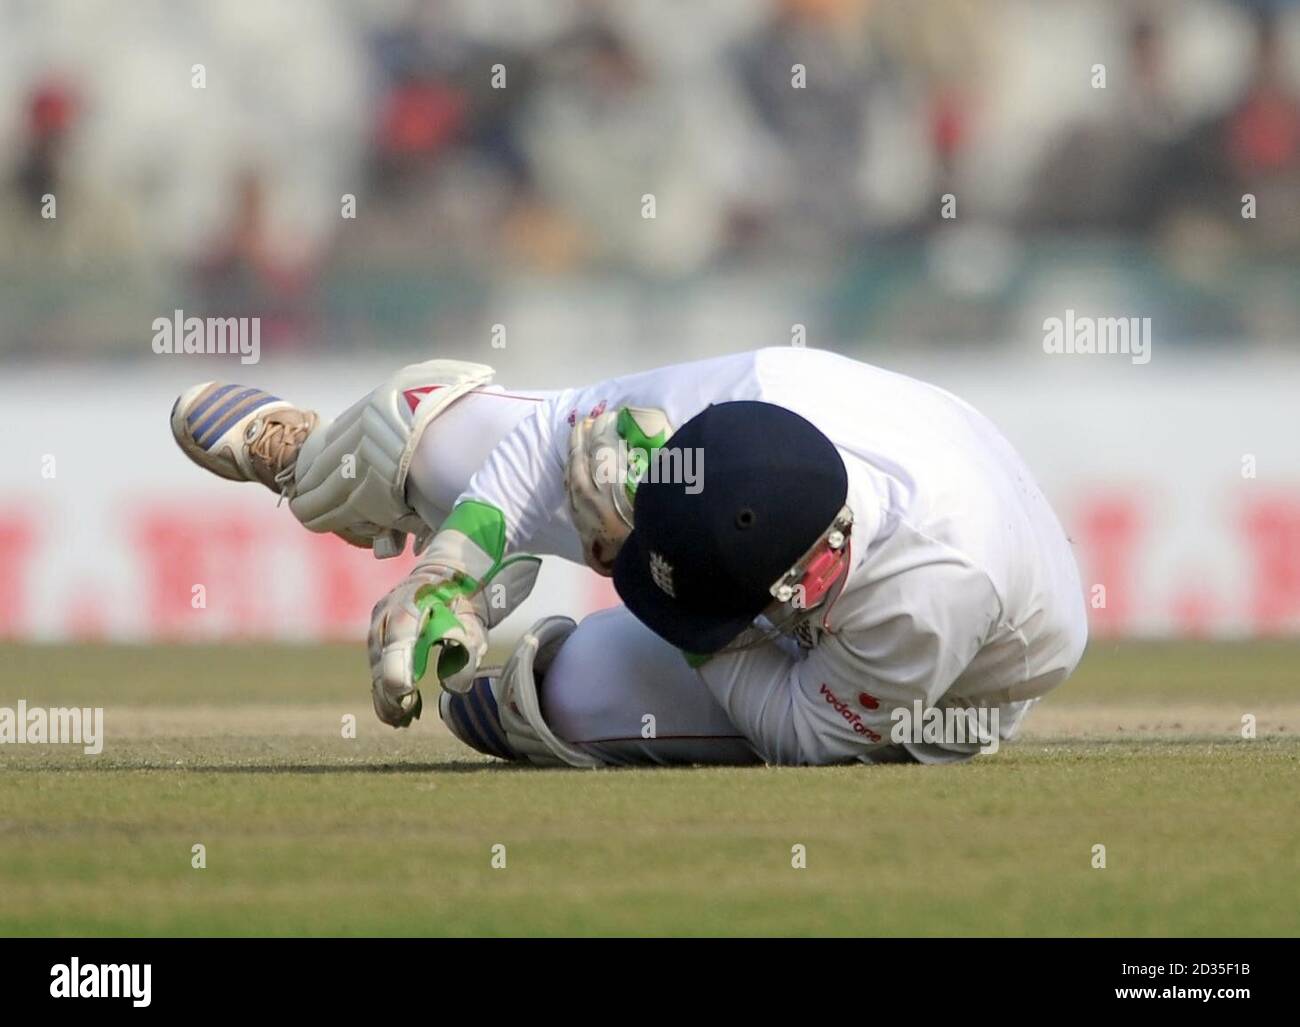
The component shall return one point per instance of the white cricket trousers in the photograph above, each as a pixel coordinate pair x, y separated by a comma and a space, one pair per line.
622, 693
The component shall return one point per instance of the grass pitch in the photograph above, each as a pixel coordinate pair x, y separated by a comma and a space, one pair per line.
240, 749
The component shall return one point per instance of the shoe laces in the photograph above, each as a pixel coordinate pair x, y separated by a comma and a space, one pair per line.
274, 452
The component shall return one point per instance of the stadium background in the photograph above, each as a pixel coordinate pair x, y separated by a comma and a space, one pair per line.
783, 217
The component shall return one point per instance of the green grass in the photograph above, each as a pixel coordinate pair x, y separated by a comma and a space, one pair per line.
306, 832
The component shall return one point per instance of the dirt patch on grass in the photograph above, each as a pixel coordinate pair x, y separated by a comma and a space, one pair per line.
320, 721
297, 721
1156, 720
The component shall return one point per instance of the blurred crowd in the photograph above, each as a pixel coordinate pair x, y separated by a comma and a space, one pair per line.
893, 151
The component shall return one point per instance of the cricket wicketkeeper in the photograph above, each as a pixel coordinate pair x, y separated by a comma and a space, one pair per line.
808, 549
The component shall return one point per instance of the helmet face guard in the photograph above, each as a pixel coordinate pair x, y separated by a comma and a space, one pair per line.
804, 588
813, 574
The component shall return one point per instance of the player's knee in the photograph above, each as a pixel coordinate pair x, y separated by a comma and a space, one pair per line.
578, 701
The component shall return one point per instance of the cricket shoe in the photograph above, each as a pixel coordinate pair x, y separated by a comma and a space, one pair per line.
241, 433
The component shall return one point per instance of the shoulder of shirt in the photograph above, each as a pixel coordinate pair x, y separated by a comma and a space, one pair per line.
946, 556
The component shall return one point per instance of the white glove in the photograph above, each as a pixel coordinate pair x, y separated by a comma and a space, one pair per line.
438, 614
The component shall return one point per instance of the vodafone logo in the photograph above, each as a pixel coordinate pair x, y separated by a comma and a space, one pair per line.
869, 702
852, 716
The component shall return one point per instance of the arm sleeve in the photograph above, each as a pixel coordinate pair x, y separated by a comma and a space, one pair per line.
837, 703
523, 477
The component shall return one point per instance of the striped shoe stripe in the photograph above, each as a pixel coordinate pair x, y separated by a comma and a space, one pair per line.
233, 417
214, 393
483, 702
463, 728
478, 724
216, 412
474, 721
469, 734
231, 412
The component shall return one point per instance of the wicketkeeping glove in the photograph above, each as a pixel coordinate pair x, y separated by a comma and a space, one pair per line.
443, 611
